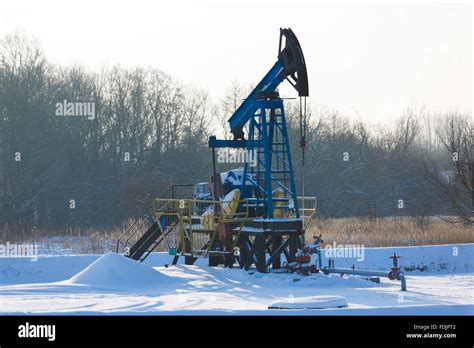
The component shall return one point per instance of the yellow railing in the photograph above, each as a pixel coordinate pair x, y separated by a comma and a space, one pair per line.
194, 234
307, 209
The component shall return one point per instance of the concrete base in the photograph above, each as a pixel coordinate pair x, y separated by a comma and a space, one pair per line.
310, 302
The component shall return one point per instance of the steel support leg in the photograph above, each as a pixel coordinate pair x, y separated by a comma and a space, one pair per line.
260, 253
275, 246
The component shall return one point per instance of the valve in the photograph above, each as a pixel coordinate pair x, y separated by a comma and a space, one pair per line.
395, 262
395, 271
318, 239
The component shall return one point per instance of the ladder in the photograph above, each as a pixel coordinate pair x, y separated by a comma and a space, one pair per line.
146, 233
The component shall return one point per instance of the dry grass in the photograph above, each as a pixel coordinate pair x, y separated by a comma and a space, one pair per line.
73, 240
393, 231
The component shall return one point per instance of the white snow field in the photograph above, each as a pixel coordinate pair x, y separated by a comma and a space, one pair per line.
440, 281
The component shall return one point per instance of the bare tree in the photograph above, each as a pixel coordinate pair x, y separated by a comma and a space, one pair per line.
232, 99
453, 174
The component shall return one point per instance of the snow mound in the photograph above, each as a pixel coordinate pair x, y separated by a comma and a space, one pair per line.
115, 271
310, 302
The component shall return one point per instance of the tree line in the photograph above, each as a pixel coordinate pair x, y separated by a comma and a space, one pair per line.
148, 131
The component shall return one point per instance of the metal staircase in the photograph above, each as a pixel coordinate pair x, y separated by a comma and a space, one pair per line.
148, 231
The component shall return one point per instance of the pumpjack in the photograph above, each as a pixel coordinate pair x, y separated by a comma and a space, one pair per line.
254, 213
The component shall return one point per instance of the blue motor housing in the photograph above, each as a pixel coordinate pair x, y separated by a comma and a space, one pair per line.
233, 180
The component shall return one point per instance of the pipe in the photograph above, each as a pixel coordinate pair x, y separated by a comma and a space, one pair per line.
320, 259
401, 276
327, 270
391, 275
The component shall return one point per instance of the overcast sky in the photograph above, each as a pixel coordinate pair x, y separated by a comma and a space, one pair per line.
369, 61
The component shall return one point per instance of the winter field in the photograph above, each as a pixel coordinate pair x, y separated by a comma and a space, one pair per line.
440, 281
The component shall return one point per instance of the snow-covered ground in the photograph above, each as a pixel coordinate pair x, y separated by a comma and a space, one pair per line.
440, 281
